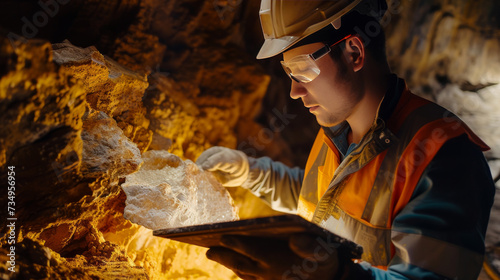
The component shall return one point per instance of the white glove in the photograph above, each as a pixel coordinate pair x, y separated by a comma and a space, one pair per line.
229, 166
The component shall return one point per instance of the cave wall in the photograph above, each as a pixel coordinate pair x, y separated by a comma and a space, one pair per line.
450, 55
98, 85
93, 84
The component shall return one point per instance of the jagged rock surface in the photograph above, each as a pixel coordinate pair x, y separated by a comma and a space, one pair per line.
38, 262
168, 193
82, 217
452, 58
41, 107
106, 149
110, 87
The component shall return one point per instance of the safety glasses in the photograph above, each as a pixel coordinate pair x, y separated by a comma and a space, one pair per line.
303, 68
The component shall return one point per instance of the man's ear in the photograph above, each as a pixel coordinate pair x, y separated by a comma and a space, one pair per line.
355, 52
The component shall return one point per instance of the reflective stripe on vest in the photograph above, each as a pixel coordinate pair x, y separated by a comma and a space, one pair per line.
394, 164
415, 248
375, 241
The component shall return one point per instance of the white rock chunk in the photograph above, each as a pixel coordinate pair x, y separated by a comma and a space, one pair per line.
168, 193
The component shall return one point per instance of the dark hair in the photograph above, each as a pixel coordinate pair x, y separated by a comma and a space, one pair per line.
369, 30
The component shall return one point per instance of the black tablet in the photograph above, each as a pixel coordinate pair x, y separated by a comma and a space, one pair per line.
279, 227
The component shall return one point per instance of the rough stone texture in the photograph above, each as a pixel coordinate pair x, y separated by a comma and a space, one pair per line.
35, 261
106, 149
456, 46
111, 88
140, 50
168, 193
41, 107
439, 32
175, 107
38, 262
36, 96
41, 134
173, 113
80, 217
479, 109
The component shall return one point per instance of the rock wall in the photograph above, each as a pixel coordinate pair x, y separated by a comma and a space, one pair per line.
448, 52
78, 116
98, 83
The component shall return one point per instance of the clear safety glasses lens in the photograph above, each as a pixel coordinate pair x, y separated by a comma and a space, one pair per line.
301, 69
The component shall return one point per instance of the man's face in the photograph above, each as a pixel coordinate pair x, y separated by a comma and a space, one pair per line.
333, 95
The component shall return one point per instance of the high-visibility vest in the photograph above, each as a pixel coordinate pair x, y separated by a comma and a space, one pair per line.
377, 179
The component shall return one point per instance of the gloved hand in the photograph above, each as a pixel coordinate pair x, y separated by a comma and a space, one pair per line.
303, 256
229, 166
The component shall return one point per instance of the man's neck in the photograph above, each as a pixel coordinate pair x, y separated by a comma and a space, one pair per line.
366, 111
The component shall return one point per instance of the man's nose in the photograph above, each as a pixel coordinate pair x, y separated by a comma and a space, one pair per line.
297, 90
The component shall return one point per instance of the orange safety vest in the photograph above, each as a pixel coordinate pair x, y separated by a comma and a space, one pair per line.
377, 179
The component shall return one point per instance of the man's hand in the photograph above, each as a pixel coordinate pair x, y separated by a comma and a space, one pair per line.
303, 257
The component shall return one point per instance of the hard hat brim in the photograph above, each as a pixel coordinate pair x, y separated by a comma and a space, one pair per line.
272, 47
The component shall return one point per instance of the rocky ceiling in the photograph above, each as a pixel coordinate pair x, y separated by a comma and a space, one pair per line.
87, 86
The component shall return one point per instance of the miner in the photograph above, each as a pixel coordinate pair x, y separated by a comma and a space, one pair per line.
399, 175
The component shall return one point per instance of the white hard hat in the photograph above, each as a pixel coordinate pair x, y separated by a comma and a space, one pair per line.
285, 22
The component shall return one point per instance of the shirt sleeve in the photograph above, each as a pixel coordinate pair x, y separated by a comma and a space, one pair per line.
275, 183
440, 233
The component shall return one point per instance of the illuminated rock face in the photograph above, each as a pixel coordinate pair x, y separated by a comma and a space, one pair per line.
168, 192
71, 153
39, 102
110, 88
106, 149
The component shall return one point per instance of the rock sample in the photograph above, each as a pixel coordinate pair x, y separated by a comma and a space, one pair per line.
168, 192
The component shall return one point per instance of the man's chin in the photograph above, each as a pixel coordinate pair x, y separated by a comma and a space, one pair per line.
327, 123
